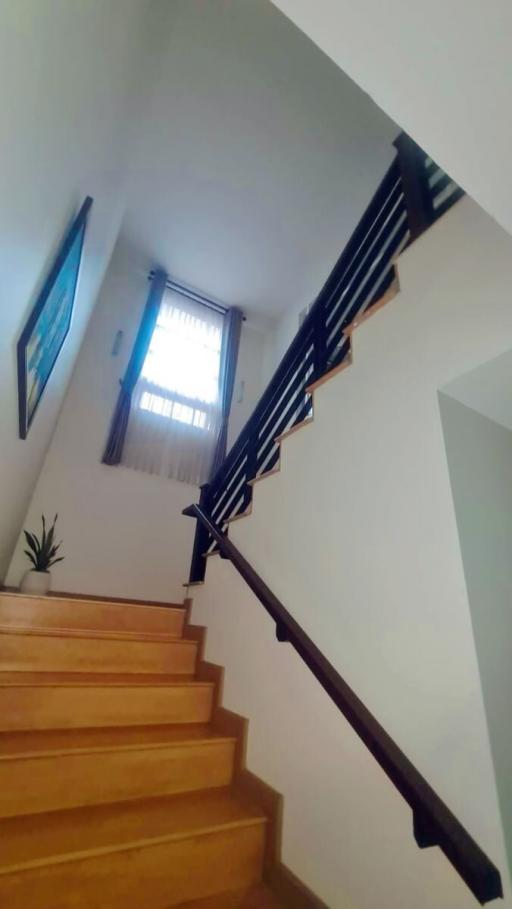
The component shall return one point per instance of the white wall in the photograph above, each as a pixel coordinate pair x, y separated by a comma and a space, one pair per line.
123, 531
71, 79
487, 389
282, 334
480, 460
444, 73
251, 377
357, 535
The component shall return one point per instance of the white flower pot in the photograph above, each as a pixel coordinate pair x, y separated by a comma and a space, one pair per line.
36, 582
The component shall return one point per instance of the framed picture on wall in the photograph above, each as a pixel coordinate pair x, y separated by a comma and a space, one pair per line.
49, 322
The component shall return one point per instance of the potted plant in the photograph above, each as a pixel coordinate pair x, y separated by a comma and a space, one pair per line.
42, 554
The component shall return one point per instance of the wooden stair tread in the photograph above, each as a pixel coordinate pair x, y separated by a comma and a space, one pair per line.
36, 840
327, 376
58, 741
27, 652
389, 295
78, 679
94, 633
56, 704
293, 429
264, 476
77, 600
116, 786
259, 897
73, 616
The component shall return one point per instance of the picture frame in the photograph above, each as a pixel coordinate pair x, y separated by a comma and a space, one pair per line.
48, 324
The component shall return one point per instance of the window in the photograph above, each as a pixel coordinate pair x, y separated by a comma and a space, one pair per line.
175, 412
181, 370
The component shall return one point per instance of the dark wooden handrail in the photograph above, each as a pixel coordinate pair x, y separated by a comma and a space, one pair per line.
433, 822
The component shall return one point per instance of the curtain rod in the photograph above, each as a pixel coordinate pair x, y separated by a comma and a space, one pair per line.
193, 295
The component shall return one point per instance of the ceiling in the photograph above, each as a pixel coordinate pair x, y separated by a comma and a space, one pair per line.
255, 158
442, 70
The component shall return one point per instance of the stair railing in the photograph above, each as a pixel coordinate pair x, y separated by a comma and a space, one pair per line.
433, 822
413, 193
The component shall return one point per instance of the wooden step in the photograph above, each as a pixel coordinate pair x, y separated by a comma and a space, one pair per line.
91, 678
27, 705
154, 853
90, 633
293, 429
259, 897
50, 770
27, 651
265, 475
80, 613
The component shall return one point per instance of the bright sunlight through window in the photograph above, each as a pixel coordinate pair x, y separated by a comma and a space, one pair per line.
180, 376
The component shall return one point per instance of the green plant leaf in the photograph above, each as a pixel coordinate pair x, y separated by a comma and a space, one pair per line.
32, 541
49, 541
54, 561
44, 550
31, 557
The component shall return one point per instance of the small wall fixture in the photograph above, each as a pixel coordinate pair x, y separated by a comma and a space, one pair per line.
118, 340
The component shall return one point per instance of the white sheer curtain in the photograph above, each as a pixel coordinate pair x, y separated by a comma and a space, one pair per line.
175, 412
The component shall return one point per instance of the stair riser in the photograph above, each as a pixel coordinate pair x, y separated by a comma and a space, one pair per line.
154, 876
47, 613
67, 707
33, 784
38, 653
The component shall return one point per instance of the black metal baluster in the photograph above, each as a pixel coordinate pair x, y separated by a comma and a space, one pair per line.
201, 540
401, 209
251, 466
418, 198
319, 342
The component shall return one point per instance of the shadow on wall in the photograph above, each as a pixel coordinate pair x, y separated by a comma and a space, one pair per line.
476, 415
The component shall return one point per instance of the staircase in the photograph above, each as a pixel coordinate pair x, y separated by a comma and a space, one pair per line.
121, 779
307, 502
